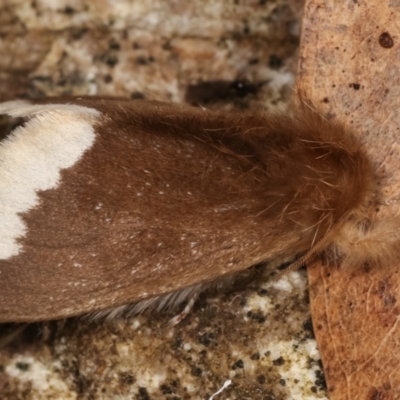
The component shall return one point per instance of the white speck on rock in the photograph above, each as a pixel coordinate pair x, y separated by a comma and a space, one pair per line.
42, 377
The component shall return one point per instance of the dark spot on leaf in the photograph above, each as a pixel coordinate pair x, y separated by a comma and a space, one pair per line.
389, 300
376, 394
387, 386
350, 304
385, 40
355, 86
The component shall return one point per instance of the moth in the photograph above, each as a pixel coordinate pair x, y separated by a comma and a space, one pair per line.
111, 206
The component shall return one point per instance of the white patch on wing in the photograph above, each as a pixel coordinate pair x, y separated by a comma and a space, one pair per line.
32, 156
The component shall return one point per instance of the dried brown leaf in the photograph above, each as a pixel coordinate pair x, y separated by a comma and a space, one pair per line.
350, 66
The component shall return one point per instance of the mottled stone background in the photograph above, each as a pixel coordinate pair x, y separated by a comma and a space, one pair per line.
209, 51
218, 54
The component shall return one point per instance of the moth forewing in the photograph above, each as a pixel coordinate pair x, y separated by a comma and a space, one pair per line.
108, 202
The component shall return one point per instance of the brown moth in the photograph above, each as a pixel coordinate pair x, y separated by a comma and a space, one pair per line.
112, 206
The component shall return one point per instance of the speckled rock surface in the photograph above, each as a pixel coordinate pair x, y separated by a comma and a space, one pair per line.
258, 336
218, 54
199, 51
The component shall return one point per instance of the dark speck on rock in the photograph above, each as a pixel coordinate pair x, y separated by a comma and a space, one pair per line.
196, 371
278, 361
22, 366
238, 364
308, 327
127, 378
111, 61
255, 356
165, 389
69, 10
274, 61
141, 60
177, 344
261, 379
114, 45
143, 394
320, 381
137, 95
206, 338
